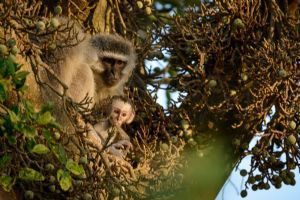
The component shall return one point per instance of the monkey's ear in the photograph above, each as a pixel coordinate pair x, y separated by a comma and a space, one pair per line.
131, 117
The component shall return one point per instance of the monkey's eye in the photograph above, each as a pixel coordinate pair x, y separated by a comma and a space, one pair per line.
120, 63
124, 115
117, 111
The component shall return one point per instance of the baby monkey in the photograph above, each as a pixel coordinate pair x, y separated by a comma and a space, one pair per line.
108, 133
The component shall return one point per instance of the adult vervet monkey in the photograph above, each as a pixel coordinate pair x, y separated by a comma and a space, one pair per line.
95, 69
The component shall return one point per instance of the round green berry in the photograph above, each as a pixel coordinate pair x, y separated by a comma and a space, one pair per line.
282, 73
174, 139
139, 4
244, 77
12, 58
29, 194
52, 188
3, 49
266, 186
251, 180
232, 92
164, 146
57, 10
292, 125
52, 47
243, 172
291, 174
57, 135
184, 124
292, 139
148, 10
15, 50
188, 133
11, 42
238, 23
244, 193
258, 177
54, 23
83, 160
212, 83
278, 185
254, 187
87, 196
40, 26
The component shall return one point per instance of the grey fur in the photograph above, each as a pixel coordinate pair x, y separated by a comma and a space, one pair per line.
80, 68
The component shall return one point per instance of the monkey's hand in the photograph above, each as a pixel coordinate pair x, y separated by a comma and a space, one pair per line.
126, 144
120, 148
116, 150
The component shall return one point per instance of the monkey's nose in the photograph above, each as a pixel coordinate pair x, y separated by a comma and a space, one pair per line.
113, 73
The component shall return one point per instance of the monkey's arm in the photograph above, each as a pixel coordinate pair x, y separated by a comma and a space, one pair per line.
93, 137
120, 148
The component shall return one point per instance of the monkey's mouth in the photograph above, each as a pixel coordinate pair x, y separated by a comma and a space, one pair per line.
112, 82
115, 121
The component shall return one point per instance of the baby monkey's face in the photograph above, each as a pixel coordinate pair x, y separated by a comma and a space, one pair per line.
121, 112
113, 68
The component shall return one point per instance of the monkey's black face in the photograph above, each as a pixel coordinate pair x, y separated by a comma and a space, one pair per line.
112, 73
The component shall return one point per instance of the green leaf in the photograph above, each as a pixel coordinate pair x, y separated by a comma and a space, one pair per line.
40, 149
21, 75
2, 67
13, 117
11, 139
30, 144
23, 88
74, 168
45, 118
47, 135
28, 106
55, 125
48, 106
5, 160
10, 67
29, 131
20, 78
65, 180
3, 94
29, 174
6, 182
59, 152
